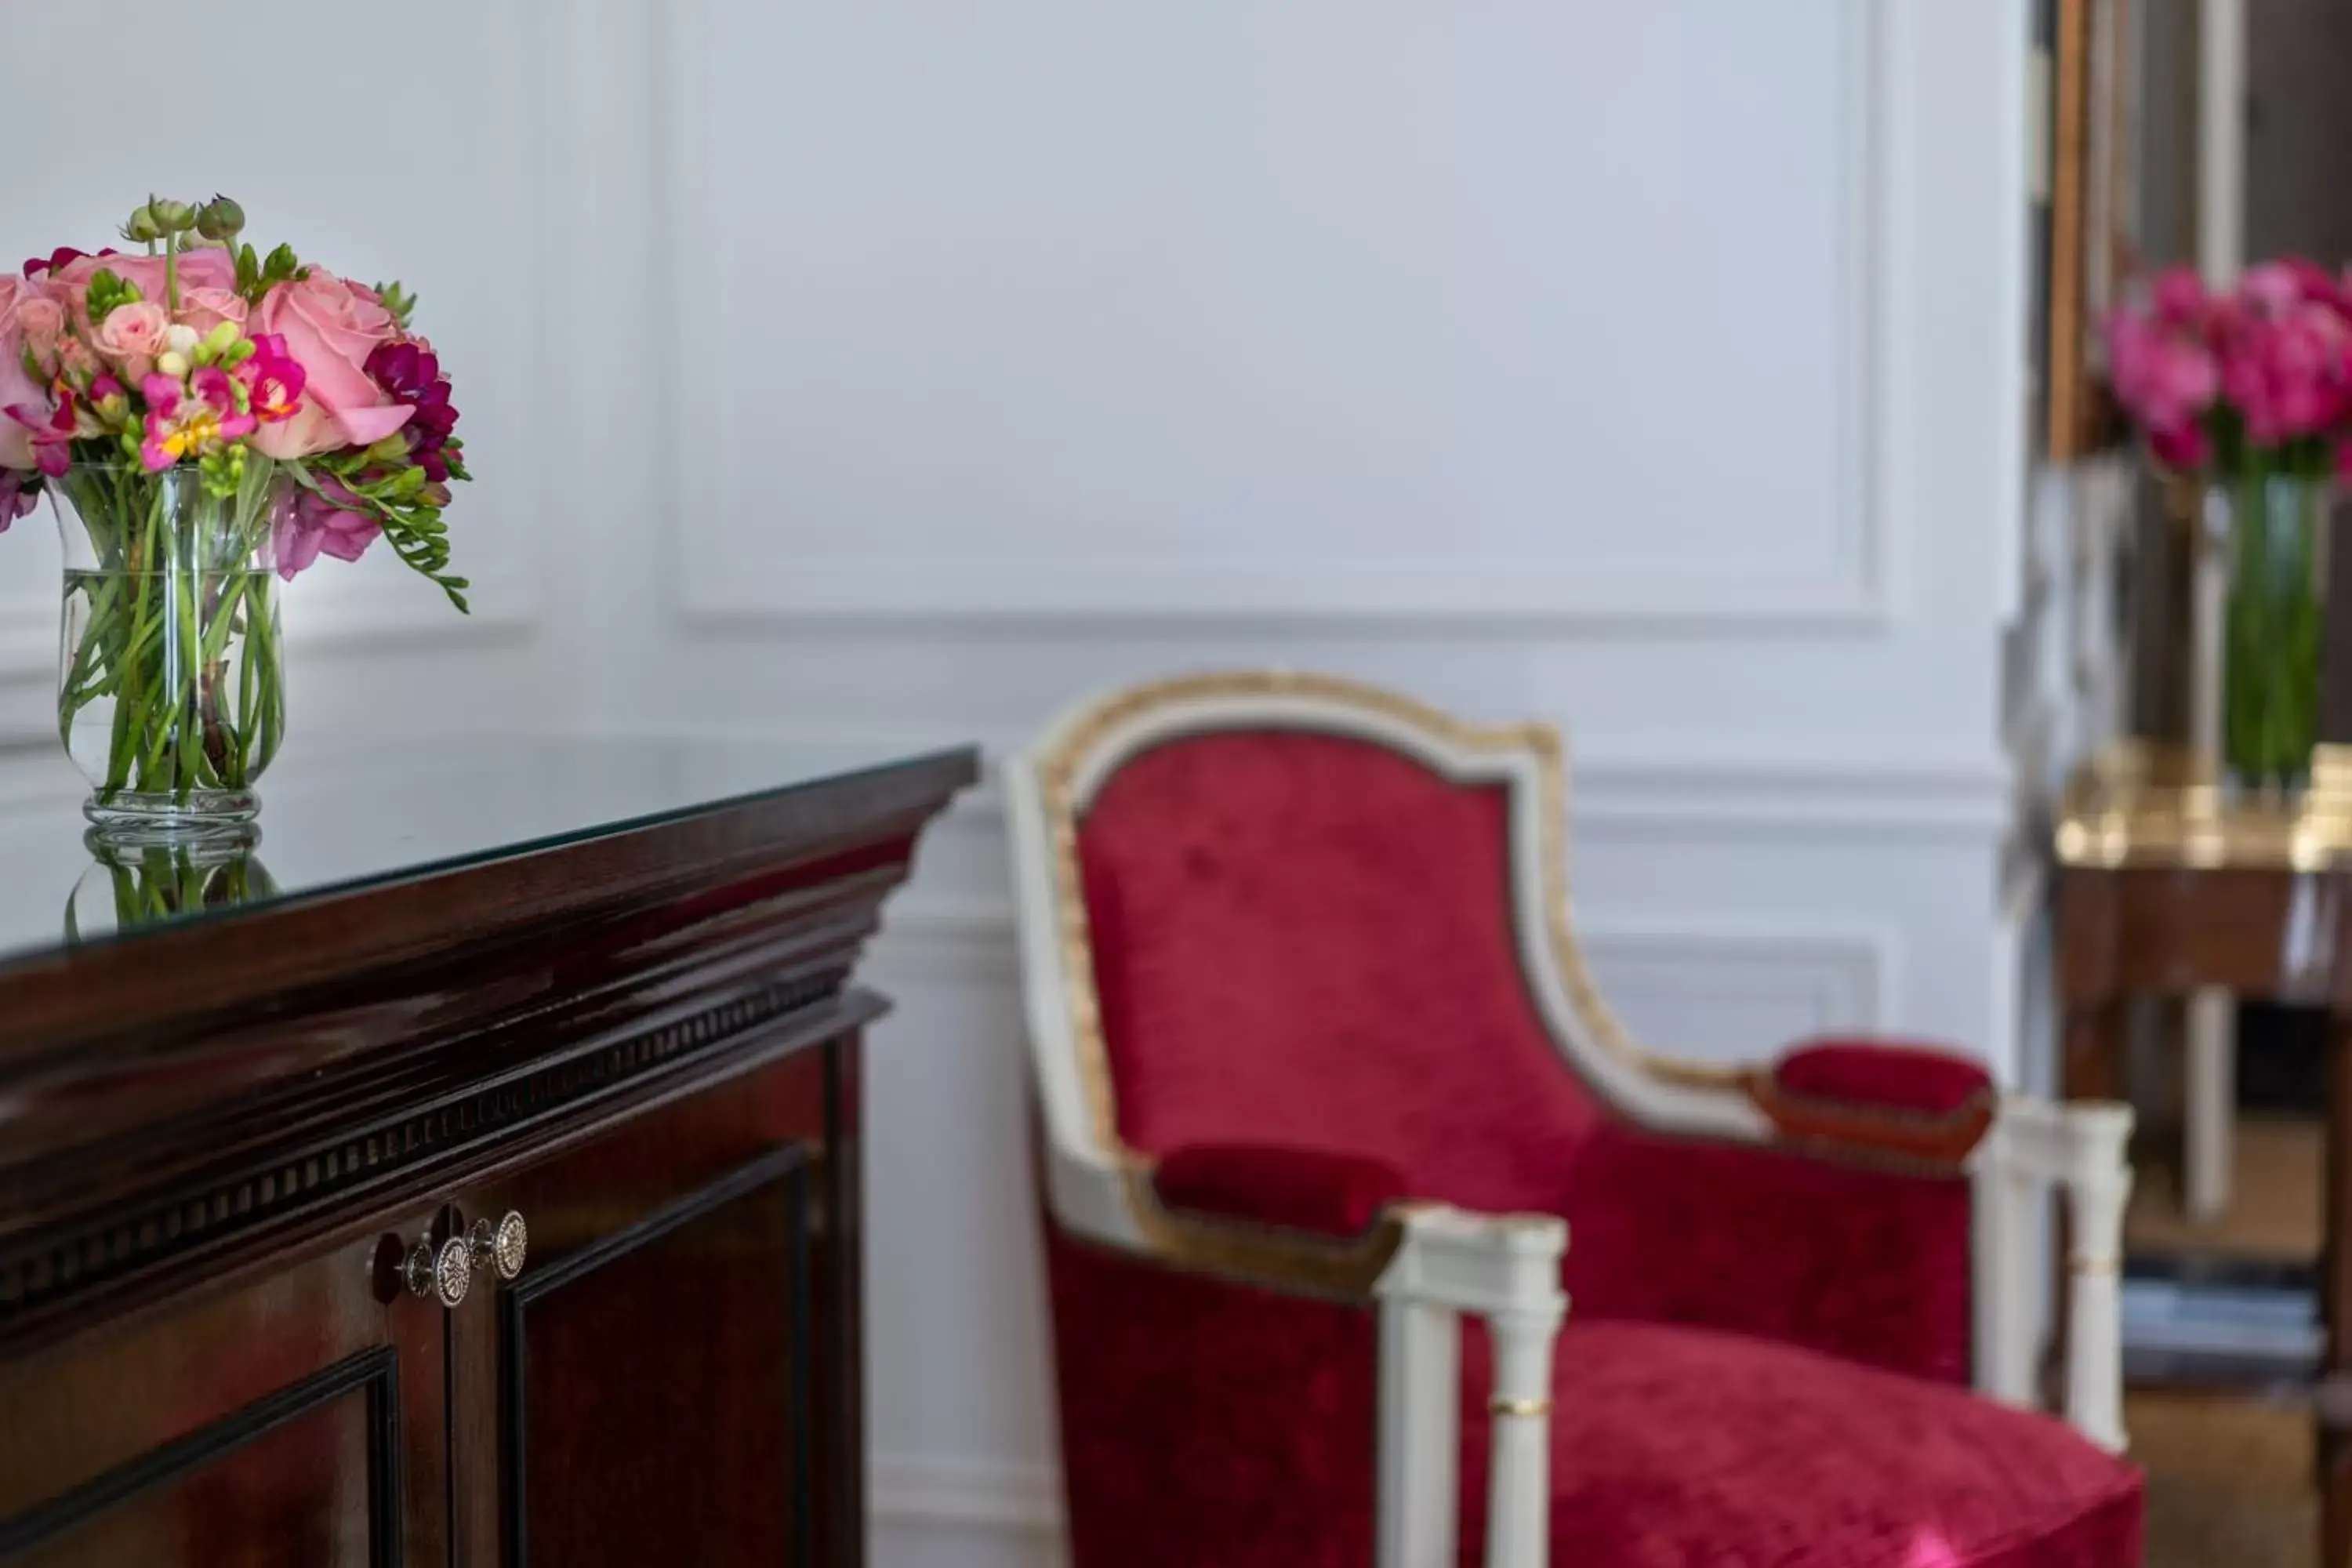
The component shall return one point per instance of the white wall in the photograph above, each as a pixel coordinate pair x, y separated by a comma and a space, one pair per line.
897, 369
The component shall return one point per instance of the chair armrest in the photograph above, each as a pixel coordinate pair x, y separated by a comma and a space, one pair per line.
1318, 1190
2081, 1151
1899, 1098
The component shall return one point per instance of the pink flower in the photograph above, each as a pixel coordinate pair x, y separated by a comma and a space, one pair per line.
205, 309
53, 427
2271, 289
2163, 372
57, 259
329, 523
2178, 297
131, 336
2291, 375
201, 269
2183, 448
18, 389
273, 380
205, 419
330, 328
44, 321
17, 495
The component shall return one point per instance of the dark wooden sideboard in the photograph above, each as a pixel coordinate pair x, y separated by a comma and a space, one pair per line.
482, 1188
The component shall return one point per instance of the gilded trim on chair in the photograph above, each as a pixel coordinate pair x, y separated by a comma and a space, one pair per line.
1058, 771
1527, 1409
1344, 1268
1933, 1141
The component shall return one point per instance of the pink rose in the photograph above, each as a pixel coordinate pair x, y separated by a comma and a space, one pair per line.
330, 328
133, 335
17, 388
205, 268
205, 309
44, 321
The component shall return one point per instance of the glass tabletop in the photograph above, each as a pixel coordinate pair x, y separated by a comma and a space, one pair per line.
338, 815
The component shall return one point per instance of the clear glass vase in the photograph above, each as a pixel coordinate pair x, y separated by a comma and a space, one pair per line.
130, 886
171, 679
2274, 529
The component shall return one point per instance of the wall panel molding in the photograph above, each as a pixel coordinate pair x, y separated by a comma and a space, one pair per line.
1859, 593
1831, 976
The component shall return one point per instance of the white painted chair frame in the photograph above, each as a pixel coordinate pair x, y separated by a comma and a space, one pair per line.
1506, 1269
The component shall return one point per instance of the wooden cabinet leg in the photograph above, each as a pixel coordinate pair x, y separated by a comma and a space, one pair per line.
2335, 1500
2336, 1298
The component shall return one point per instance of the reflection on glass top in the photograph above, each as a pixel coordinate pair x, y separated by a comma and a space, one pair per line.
337, 815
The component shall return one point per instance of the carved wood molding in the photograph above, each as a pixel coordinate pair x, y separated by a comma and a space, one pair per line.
408, 1147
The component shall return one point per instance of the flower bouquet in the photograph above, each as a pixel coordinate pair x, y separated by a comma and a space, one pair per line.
207, 420
2248, 392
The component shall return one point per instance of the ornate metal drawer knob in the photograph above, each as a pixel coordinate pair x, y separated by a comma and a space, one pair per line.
504, 1249
441, 1272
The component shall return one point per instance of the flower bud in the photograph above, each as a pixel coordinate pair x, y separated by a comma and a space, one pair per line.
139, 229
180, 338
173, 363
171, 217
220, 218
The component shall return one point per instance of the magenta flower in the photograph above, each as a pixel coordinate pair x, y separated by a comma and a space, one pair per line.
2178, 297
409, 372
273, 380
53, 429
2163, 371
331, 524
204, 420
18, 491
2290, 374
59, 259
107, 399
2278, 288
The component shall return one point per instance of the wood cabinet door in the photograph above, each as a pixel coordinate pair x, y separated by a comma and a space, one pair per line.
298, 1420
648, 1388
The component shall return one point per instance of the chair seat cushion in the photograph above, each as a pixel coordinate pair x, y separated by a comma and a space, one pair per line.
1675, 1446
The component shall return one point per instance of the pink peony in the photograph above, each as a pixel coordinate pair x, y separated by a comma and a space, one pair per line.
330, 328
18, 390
131, 336
205, 309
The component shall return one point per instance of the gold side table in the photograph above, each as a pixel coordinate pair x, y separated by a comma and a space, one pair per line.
2169, 882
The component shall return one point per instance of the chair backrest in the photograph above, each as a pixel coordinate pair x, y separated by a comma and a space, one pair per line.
1292, 910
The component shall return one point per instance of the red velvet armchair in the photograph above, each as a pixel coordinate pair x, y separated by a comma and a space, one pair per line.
1324, 1090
